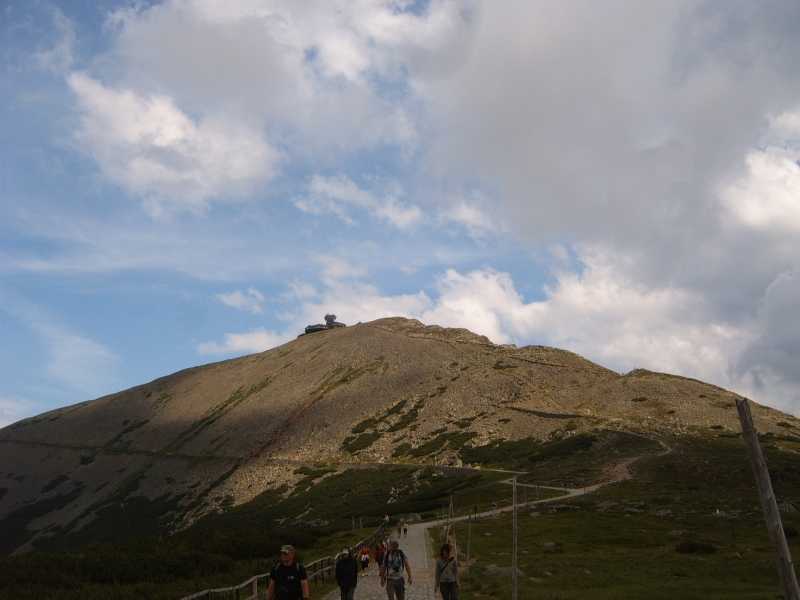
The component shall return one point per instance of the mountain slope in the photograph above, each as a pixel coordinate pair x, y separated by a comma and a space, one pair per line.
392, 390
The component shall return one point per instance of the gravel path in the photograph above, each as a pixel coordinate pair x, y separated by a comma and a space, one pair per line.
415, 547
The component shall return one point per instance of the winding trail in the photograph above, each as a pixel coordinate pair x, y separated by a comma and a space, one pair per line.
416, 545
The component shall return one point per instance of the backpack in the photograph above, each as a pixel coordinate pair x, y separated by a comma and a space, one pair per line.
394, 562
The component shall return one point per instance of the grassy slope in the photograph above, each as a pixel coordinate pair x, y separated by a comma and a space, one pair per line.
619, 542
228, 548
622, 541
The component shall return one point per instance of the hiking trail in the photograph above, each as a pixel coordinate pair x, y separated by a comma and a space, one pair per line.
416, 543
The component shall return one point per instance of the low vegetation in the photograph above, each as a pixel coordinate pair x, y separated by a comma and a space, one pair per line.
573, 461
229, 547
687, 526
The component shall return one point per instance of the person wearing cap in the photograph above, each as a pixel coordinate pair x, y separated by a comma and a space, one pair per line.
346, 574
288, 579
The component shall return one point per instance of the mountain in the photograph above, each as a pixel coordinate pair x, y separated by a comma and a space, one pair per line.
389, 391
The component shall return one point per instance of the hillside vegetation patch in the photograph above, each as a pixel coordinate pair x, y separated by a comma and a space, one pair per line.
354, 444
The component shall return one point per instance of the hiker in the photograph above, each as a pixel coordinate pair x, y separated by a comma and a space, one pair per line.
446, 574
364, 560
380, 550
347, 574
405, 530
288, 579
392, 572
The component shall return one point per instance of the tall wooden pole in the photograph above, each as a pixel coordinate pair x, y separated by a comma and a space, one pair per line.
768, 503
469, 537
514, 583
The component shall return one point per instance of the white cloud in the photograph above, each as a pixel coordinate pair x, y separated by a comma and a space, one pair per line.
13, 409
301, 290
473, 218
249, 300
334, 195
71, 358
76, 360
336, 268
201, 94
768, 196
247, 342
205, 249
60, 56
150, 147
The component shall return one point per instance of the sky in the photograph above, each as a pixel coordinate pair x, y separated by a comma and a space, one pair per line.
186, 181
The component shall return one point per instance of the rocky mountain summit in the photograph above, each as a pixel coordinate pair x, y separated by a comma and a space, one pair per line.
389, 391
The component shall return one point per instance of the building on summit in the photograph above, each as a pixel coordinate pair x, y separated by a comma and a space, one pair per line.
330, 323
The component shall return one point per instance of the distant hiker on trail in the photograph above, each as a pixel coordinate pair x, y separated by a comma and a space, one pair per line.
392, 572
446, 574
347, 574
380, 550
364, 557
405, 530
288, 579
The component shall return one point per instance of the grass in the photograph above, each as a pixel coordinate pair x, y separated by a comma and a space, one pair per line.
574, 461
687, 526
657, 536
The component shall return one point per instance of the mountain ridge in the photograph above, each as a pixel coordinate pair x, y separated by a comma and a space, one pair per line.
392, 390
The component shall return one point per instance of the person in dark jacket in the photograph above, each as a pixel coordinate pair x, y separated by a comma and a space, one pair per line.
347, 574
288, 579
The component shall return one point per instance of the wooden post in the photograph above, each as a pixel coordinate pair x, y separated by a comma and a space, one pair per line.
514, 583
450, 512
768, 503
255, 588
469, 537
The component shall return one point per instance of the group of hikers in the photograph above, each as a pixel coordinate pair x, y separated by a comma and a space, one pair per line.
289, 581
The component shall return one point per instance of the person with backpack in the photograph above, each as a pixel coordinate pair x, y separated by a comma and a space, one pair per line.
447, 574
347, 574
392, 572
288, 579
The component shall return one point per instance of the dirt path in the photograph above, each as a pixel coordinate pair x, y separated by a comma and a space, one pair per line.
415, 547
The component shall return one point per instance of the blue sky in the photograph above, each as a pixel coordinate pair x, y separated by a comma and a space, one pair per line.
185, 181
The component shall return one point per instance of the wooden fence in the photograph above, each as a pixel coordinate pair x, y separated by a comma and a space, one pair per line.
255, 588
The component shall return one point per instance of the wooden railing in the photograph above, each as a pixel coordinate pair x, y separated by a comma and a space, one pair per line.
255, 588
